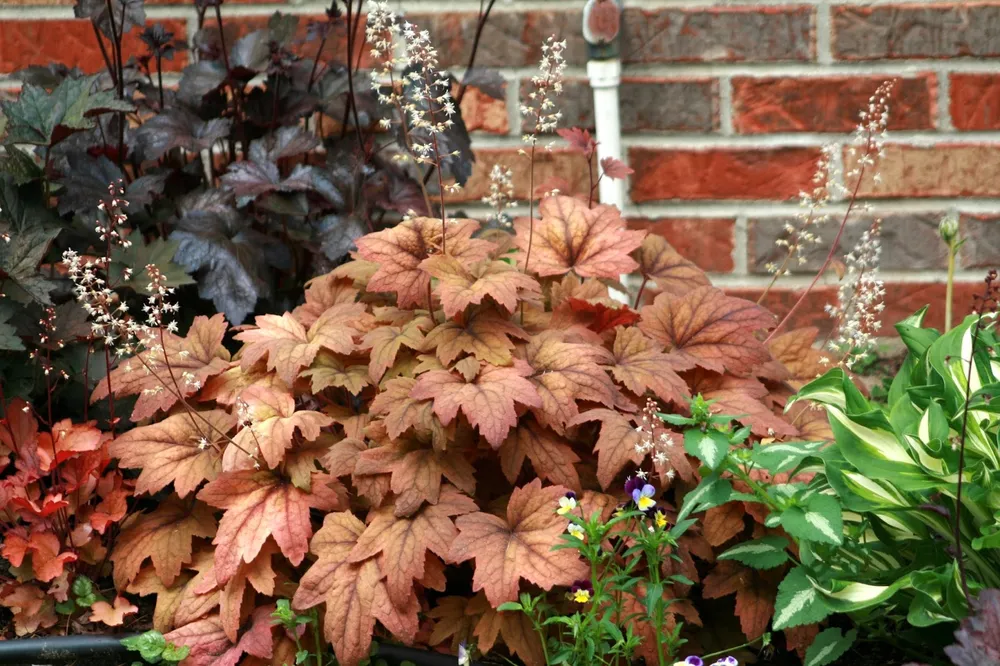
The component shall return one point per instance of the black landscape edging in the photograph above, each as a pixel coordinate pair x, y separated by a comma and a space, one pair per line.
107, 650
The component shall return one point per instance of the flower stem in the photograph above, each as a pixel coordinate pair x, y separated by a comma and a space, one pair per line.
949, 293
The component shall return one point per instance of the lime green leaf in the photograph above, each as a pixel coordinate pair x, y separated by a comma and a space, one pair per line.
149, 645
820, 520
829, 645
783, 456
710, 446
798, 602
764, 553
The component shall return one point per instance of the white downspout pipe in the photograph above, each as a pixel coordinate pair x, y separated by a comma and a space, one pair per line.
604, 69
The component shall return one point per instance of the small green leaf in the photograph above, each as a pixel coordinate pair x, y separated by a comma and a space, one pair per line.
176, 653
510, 606
798, 602
829, 645
83, 587
150, 645
301, 656
821, 520
65, 607
765, 553
710, 446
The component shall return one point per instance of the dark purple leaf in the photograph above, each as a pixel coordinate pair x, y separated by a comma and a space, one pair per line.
130, 11
199, 79
490, 81
144, 190
285, 142
978, 637
215, 239
282, 28
47, 77
336, 234
85, 181
251, 53
178, 128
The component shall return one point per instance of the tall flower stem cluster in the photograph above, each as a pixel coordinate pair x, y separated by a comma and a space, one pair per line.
948, 229
542, 113
868, 147
860, 300
422, 97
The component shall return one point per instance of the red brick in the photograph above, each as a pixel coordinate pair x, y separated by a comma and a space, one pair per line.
917, 30
483, 113
901, 300
827, 104
70, 42
511, 38
721, 173
982, 242
909, 242
975, 101
549, 164
647, 104
705, 241
727, 34
951, 170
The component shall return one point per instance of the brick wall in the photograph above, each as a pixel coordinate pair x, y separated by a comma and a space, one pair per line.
725, 107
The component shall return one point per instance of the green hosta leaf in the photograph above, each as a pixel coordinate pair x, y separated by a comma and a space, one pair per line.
798, 602
829, 645
159, 252
712, 491
42, 118
783, 456
764, 553
820, 520
826, 390
710, 447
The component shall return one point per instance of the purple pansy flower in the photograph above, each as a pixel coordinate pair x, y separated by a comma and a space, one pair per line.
643, 497
632, 484
727, 661
694, 661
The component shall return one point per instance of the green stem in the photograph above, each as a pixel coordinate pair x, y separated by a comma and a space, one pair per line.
541, 637
729, 650
318, 639
949, 288
654, 574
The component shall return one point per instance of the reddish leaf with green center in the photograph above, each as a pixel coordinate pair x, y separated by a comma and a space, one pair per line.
519, 546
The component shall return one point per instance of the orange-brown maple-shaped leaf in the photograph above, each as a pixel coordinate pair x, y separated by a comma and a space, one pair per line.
551, 455
591, 242
640, 366
400, 250
460, 286
31, 607
211, 647
386, 341
258, 505
519, 546
722, 523
332, 370
416, 472
671, 272
402, 412
461, 619
165, 536
488, 401
200, 353
67, 440
289, 347
47, 562
795, 351
227, 386
741, 397
616, 446
710, 329
564, 373
755, 593
112, 615
403, 542
354, 593
483, 332
172, 450
179, 603
322, 293
275, 422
